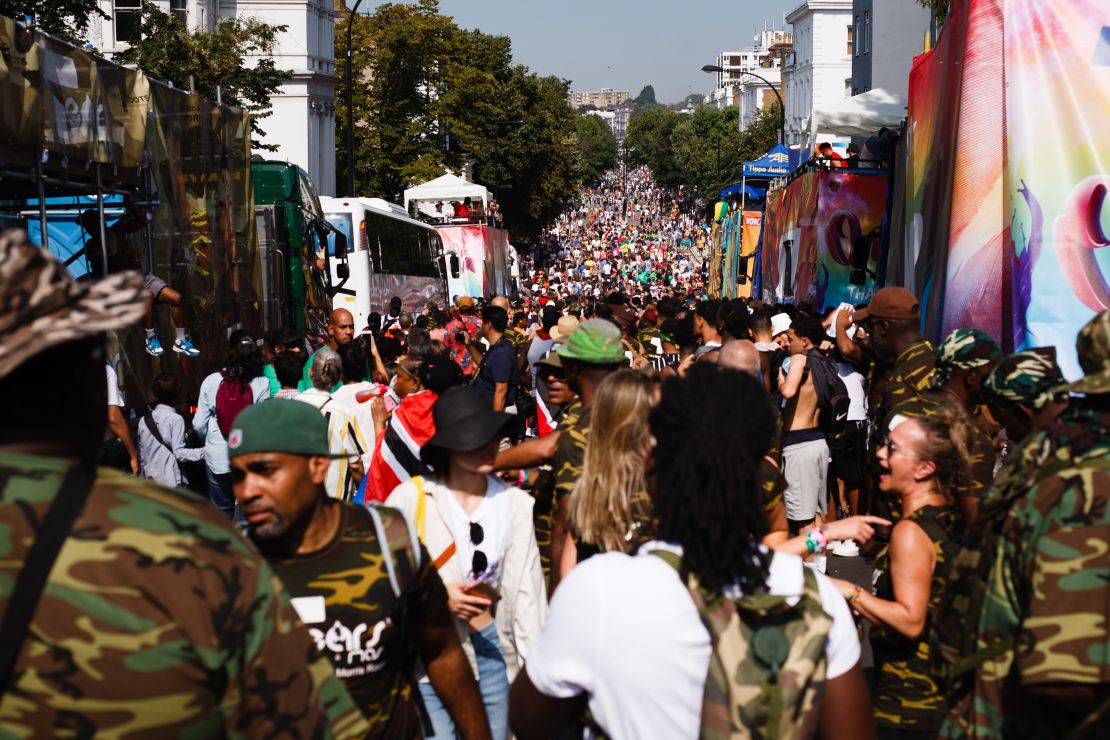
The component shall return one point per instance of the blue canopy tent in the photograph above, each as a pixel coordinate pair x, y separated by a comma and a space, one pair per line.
749, 192
774, 163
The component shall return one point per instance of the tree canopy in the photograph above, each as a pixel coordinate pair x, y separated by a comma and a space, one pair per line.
429, 95
167, 50
646, 97
597, 147
703, 151
66, 19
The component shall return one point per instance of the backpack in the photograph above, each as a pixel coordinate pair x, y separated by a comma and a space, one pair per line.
767, 670
832, 397
231, 397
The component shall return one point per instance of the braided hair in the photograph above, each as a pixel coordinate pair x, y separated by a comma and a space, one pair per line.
711, 430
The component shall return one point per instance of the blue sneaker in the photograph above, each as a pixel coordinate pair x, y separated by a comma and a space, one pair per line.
185, 347
154, 347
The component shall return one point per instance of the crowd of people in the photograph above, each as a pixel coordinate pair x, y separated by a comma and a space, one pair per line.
607, 506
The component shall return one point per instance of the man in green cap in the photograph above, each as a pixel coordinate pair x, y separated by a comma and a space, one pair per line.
1044, 623
593, 352
962, 362
360, 579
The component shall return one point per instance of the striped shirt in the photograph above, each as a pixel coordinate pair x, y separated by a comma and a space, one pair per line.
345, 437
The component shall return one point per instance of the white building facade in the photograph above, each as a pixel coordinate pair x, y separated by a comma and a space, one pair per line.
820, 71
735, 82
302, 124
755, 94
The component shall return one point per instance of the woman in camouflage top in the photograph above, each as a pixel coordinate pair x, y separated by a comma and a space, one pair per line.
920, 461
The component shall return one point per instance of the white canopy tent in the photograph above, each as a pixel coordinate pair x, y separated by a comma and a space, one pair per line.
445, 188
859, 115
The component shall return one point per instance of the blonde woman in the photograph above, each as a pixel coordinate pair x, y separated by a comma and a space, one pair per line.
920, 463
609, 507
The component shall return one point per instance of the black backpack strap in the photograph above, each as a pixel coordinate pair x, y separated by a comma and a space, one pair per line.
56, 526
152, 426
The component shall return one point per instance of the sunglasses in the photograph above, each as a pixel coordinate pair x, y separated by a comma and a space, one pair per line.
480, 562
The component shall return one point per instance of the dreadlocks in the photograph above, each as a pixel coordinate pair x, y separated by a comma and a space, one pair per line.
711, 429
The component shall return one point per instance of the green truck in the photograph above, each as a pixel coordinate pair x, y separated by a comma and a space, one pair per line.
293, 245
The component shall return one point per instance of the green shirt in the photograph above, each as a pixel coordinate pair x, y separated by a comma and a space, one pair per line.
306, 379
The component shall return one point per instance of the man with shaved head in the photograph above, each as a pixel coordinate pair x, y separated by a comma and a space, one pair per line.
341, 329
740, 354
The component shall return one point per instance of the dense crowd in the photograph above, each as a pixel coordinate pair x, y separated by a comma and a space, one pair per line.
609, 505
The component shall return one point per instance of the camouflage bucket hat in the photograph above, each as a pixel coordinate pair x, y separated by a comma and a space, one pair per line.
596, 342
41, 306
1093, 346
963, 349
1028, 378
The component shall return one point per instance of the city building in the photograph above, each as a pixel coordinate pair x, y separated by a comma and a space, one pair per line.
764, 58
755, 94
302, 124
887, 35
602, 99
617, 118
820, 69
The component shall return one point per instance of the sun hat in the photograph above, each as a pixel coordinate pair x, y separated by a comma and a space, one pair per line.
562, 330
1093, 346
43, 306
465, 420
595, 342
279, 425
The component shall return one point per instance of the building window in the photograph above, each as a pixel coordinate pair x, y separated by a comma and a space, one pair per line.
853, 36
850, 38
177, 8
867, 32
125, 16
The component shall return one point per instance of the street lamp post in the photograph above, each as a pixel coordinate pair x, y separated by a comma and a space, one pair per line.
349, 96
782, 106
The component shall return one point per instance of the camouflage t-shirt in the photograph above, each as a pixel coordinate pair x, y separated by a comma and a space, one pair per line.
908, 377
570, 451
158, 620
1046, 599
344, 595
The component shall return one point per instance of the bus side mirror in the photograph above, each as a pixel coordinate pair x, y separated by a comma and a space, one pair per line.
861, 251
340, 243
788, 272
453, 265
342, 270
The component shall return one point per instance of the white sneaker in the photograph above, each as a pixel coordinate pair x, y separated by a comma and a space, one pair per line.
846, 549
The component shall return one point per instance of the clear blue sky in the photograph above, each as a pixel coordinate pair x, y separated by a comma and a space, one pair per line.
622, 44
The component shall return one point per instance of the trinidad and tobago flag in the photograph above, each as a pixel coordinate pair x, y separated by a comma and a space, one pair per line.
397, 453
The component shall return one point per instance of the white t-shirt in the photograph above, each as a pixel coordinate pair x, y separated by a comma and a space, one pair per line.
115, 398
493, 517
857, 397
623, 630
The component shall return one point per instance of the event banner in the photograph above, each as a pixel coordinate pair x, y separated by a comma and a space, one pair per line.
1007, 171
809, 228
742, 231
1058, 170
483, 260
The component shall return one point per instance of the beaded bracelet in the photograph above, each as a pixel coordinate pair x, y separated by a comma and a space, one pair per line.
855, 595
815, 540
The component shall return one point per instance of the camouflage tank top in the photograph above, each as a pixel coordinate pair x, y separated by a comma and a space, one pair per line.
907, 696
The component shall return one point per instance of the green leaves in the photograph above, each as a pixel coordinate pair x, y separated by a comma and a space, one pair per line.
66, 19
429, 95
703, 151
597, 147
169, 51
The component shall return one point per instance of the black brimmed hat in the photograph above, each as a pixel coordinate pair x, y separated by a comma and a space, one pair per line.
465, 420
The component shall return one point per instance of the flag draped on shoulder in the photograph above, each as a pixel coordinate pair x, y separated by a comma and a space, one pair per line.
397, 452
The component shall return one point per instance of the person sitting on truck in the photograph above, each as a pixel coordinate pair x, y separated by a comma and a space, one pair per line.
121, 257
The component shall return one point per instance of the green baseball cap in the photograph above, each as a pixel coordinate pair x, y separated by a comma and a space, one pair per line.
1028, 378
279, 425
595, 342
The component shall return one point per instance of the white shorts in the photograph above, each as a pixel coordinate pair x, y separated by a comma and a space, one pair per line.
806, 466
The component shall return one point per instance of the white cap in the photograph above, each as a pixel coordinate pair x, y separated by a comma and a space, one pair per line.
780, 322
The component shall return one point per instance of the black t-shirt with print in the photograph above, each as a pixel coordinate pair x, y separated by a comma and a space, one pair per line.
344, 595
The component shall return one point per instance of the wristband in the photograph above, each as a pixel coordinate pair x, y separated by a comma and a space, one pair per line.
854, 598
521, 477
815, 540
